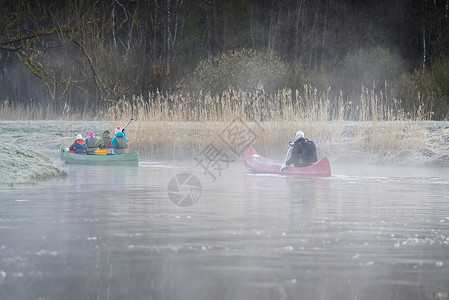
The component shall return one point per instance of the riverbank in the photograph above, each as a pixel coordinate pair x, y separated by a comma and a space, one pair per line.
23, 166
414, 143
30, 150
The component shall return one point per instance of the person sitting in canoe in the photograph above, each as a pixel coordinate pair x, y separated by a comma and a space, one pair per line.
91, 143
303, 152
79, 145
120, 142
104, 142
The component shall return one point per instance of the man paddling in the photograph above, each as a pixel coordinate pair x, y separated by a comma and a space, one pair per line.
303, 152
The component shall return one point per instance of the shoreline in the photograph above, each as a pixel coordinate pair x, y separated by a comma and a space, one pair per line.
389, 142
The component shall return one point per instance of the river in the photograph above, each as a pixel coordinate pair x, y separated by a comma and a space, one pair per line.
366, 232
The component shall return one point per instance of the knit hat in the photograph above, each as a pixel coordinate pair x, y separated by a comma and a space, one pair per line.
79, 136
91, 133
298, 135
118, 130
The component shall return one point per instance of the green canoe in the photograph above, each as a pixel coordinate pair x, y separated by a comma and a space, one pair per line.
100, 159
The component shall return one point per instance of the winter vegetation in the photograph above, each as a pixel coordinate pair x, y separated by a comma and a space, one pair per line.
351, 75
23, 166
180, 126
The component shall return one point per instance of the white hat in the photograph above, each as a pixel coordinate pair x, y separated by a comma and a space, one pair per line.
79, 136
118, 130
298, 135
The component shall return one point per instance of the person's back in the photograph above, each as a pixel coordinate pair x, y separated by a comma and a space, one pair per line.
120, 142
91, 143
79, 145
105, 140
308, 148
303, 152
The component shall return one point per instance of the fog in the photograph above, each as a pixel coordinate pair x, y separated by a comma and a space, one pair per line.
367, 232
377, 228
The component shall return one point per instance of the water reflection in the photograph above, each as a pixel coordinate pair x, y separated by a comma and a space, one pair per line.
112, 233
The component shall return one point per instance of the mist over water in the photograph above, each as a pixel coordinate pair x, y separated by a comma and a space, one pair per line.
46, 137
367, 232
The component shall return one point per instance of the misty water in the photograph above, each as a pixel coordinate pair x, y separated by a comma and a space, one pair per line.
369, 231
107, 232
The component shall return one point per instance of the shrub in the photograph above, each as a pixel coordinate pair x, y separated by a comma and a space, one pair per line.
366, 67
316, 79
426, 88
243, 69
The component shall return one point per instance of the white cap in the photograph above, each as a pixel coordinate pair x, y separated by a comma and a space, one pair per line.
298, 135
79, 136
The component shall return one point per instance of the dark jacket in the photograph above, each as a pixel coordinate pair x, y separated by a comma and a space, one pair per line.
79, 146
296, 157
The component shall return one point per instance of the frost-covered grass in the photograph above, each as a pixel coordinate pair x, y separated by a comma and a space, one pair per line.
29, 150
18, 166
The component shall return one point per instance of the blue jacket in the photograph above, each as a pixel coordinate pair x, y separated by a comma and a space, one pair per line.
120, 134
79, 146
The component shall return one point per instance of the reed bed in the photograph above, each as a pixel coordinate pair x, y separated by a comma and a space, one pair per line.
179, 125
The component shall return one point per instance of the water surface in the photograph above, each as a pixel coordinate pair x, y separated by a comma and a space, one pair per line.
109, 232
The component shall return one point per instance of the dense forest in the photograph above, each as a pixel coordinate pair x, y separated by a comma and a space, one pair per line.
84, 54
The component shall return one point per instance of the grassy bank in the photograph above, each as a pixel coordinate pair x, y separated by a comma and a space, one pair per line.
176, 125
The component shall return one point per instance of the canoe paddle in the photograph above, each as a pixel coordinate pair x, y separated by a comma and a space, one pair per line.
123, 129
285, 160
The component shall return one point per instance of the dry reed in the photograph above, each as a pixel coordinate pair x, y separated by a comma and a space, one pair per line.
177, 125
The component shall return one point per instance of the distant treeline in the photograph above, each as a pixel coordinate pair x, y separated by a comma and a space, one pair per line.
86, 54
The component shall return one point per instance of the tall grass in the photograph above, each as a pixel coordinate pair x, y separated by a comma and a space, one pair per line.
33, 112
177, 125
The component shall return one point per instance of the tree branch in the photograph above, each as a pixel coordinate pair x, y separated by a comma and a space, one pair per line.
44, 32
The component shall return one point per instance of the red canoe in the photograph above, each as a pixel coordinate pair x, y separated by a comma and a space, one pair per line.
258, 164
